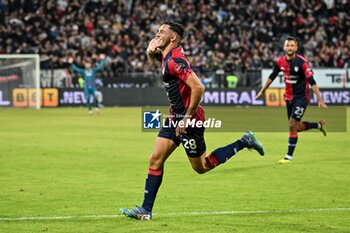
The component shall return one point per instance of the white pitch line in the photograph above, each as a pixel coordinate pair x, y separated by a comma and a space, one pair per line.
229, 212
59, 217
233, 212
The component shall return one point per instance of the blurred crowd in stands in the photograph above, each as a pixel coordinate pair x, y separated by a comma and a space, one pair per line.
236, 35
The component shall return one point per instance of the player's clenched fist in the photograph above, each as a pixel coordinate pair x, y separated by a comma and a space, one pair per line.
152, 48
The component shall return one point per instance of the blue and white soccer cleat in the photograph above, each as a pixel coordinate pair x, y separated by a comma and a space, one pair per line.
253, 142
138, 213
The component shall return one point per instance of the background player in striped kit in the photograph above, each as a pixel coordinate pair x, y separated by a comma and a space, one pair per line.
297, 77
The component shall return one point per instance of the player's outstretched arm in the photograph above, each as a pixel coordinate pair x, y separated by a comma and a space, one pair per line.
102, 62
320, 101
263, 89
76, 68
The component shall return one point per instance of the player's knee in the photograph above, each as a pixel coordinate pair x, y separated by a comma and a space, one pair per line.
199, 170
293, 124
156, 160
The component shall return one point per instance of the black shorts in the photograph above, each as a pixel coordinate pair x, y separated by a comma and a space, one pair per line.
296, 108
192, 141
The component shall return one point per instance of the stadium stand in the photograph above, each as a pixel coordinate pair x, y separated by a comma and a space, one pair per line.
233, 35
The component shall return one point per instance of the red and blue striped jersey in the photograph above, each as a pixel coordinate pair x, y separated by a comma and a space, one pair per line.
176, 70
297, 76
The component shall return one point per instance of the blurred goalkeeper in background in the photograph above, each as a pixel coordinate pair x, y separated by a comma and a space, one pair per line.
89, 76
184, 91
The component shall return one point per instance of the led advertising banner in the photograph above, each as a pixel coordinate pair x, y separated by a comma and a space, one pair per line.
325, 78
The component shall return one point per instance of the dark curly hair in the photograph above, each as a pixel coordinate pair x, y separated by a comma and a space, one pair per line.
176, 27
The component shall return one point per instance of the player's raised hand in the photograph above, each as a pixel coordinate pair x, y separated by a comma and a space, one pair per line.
102, 56
152, 49
153, 45
70, 60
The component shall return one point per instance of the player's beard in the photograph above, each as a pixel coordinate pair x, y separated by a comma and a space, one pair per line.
290, 53
163, 43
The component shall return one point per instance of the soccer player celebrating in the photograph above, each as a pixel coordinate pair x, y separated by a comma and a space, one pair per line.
297, 77
184, 91
89, 76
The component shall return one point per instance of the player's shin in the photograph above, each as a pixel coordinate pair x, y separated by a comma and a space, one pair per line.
222, 154
305, 125
153, 182
292, 142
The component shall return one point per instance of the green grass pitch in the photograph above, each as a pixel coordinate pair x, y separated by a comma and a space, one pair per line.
64, 171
